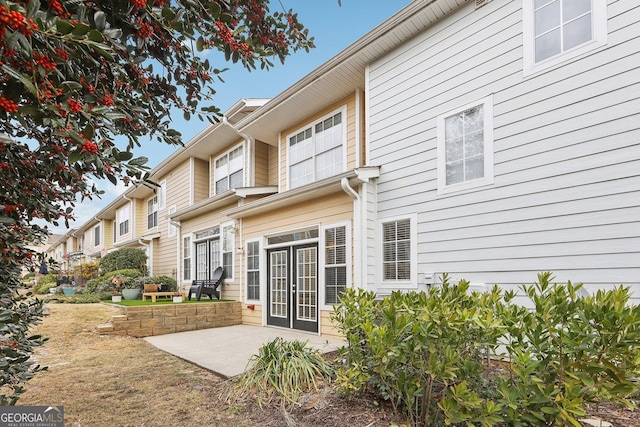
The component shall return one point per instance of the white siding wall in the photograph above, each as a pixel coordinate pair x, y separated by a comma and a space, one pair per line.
566, 196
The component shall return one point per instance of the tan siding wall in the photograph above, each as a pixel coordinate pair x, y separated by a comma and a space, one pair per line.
108, 234
261, 163
332, 208
252, 317
200, 180
350, 102
140, 218
273, 165
165, 260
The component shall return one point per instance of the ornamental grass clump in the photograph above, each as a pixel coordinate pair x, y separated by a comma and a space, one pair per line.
281, 372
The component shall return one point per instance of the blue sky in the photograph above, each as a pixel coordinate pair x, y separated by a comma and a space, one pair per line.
334, 27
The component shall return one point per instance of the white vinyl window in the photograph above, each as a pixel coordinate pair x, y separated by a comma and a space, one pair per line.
465, 147
396, 250
186, 258
152, 212
335, 263
123, 221
96, 236
317, 152
253, 271
229, 170
556, 30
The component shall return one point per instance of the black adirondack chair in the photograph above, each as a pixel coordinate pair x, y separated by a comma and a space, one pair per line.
208, 287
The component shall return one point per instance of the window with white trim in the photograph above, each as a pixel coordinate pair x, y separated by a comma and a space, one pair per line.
171, 228
186, 258
96, 236
318, 151
229, 170
152, 212
465, 147
123, 221
396, 250
556, 30
253, 270
335, 263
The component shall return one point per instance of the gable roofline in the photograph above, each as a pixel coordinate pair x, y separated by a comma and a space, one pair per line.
345, 72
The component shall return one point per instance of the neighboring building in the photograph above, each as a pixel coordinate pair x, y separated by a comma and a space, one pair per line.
490, 140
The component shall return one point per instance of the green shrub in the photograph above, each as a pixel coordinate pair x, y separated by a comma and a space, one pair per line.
105, 283
282, 370
169, 284
410, 348
43, 288
125, 258
423, 352
570, 351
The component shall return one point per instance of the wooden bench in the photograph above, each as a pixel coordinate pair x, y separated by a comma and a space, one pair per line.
155, 295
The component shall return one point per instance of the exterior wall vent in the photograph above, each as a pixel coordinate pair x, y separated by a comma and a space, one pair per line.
480, 3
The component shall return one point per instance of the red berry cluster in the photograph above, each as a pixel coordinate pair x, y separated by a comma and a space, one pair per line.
56, 7
8, 105
44, 61
62, 53
16, 21
107, 100
74, 106
89, 147
145, 31
139, 4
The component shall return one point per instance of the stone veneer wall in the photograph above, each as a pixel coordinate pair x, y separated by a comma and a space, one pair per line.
166, 319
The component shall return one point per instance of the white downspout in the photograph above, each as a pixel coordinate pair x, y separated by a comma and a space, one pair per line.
357, 235
149, 251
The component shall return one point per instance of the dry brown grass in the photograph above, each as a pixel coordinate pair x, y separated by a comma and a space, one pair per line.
120, 381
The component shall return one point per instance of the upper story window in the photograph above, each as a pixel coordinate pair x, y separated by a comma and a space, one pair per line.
123, 221
465, 147
555, 30
152, 212
318, 151
96, 236
229, 170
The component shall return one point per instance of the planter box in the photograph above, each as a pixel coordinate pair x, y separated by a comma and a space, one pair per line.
68, 291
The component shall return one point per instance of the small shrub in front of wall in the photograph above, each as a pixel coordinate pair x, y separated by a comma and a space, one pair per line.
423, 352
568, 352
411, 347
281, 371
105, 283
168, 284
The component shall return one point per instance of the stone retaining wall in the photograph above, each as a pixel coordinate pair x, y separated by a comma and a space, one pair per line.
166, 319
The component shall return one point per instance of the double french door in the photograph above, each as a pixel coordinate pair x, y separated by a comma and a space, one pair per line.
292, 287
